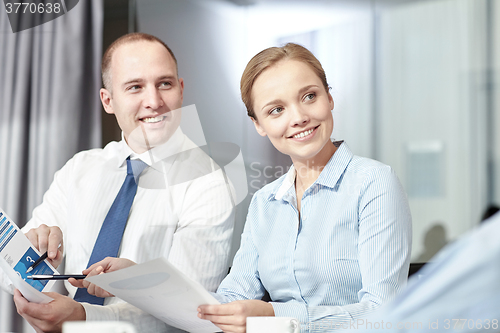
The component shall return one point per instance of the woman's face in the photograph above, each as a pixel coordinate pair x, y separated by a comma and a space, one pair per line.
293, 109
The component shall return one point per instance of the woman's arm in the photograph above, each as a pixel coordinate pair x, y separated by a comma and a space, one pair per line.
243, 281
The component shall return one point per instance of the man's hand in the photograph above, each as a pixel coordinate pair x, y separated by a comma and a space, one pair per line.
49, 317
106, 265
232, 317
48, 239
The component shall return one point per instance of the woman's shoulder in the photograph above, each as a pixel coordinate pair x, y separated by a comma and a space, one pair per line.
369, 173
366, 169
345, 158
365, 163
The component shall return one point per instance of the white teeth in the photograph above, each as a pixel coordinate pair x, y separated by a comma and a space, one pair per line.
153, 120
303, 134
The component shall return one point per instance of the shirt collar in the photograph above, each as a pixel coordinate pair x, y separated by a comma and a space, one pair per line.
330, 175
287, 183
154, 155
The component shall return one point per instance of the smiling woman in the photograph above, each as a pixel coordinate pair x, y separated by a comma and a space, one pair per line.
330, 240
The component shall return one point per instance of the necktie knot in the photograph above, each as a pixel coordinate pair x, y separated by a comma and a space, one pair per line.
135, 168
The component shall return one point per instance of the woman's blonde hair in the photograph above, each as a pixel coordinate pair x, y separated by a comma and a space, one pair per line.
269, 57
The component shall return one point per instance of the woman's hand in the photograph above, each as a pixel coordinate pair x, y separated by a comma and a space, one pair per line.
106, 265
232, 317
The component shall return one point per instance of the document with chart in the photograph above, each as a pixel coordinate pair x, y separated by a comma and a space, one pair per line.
162, 290
16, 256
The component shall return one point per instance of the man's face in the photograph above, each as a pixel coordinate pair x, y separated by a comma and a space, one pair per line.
146, 94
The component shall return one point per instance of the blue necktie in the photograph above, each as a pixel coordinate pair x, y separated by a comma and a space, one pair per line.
110, 236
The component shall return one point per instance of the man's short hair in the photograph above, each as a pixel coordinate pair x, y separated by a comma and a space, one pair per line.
129, 38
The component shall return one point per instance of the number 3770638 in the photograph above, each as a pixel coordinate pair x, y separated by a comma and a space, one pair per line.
477, 324
33, 8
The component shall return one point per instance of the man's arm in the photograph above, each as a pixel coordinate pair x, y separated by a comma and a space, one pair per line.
46, 227
107, 265
200, 246
49, 317
202, 241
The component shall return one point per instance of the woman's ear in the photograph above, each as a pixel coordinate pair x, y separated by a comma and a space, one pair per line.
259, 129
330, 101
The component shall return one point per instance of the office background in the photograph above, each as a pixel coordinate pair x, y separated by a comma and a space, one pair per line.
414, 85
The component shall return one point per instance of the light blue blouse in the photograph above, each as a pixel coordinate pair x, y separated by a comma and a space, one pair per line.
347, 254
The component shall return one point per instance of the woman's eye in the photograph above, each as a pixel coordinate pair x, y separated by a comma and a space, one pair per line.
309, 97
276, 111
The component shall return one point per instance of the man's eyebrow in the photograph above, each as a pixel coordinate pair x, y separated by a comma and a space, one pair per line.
167, 77
132, 81
139, 80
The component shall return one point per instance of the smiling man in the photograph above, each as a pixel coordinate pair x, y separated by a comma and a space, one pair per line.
143, 91
188, 222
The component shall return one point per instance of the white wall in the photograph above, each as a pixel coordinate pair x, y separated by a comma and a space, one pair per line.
345, 50
431, 83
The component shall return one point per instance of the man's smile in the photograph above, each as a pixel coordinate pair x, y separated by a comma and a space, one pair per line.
156, 119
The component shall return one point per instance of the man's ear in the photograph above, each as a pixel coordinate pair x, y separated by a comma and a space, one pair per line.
106, 100
259, 129
181, 84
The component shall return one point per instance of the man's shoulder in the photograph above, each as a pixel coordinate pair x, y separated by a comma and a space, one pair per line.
96, 155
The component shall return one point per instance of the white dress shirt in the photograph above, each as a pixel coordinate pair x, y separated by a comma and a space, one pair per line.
182, 211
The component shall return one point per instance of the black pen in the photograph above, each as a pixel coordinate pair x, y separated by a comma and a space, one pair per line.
56, 277
39, 260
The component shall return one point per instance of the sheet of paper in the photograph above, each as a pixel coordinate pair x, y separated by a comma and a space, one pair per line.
160, 289
30, 293
16, 255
